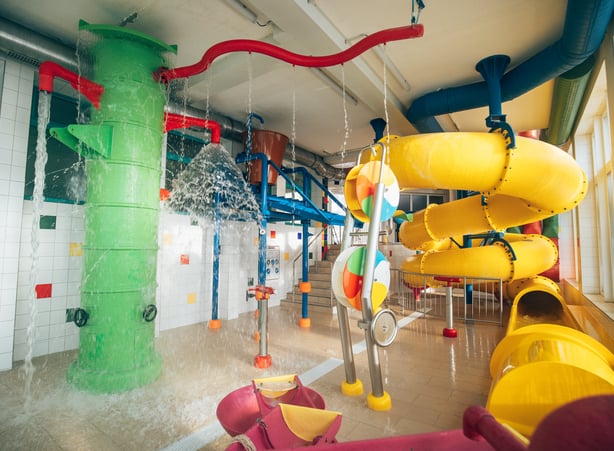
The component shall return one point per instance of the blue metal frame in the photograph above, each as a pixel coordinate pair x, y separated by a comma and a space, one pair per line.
281, 209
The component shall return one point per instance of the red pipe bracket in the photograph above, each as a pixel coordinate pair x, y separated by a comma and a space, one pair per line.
48, 70
174, 121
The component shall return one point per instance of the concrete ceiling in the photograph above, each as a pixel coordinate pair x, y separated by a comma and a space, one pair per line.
299, 101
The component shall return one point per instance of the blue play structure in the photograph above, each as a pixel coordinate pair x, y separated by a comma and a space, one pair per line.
283, 209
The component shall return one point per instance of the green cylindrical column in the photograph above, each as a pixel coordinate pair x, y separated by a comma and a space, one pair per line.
116, 346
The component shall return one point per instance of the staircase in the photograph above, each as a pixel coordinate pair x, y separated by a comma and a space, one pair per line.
320, 278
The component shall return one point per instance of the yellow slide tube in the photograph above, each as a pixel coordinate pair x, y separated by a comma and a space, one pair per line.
544, 361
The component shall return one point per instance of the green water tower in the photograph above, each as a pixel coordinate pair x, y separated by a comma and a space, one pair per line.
122, 144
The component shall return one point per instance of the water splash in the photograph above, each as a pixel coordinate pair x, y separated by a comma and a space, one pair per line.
212, 173
44, 103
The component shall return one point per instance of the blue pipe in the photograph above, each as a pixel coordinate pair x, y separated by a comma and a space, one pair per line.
216, 259
305, 278
305, 222
585, 24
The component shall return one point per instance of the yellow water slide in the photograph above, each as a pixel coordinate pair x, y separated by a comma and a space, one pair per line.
543, 362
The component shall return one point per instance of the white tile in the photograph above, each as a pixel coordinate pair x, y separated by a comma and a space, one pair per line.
7, 123
19, 352
18, 174
11, 83
22, 117
58, 329
59, 289
42, 318
6, 361
58, 303
71, 342
6, 345
20, 144
42, 333
24, 99
56, 344
16, 189
44, 305
7, 313
21, 336
6, 142
10, 265
9, 96
21, 321
5, 172
60, 262
40, 348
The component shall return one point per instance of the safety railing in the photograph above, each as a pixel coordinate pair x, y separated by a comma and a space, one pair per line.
296, 280
473, 299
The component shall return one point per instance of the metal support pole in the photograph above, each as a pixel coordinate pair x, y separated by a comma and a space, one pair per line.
377, 386
352, 386
305, 276
215, 322
263, 359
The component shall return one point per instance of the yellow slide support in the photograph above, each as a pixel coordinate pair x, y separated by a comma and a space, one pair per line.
543, 362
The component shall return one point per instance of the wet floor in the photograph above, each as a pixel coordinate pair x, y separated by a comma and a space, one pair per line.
431, 381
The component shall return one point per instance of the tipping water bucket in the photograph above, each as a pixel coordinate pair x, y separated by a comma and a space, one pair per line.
240, 409
273, 145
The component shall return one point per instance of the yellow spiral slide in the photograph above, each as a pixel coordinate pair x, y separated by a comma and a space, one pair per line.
543, 362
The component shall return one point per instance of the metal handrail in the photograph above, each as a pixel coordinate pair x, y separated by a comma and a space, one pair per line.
300, 254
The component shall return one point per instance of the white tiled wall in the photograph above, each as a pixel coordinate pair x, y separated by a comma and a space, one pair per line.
56, 267
14, 123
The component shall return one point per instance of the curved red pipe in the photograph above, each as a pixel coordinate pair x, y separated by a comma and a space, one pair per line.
48, 70
174, 121
248, 45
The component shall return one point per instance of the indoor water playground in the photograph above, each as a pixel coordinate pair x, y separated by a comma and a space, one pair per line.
249, 225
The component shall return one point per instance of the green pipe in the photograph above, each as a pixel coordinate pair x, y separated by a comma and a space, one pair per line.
566, 98
124, 142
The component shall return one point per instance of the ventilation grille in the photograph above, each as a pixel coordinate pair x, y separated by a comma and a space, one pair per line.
24, 58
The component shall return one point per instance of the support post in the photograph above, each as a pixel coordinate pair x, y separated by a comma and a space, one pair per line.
215, 323
305, 286
352, 386
378, 399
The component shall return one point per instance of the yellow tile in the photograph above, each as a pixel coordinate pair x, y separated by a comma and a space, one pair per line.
75, 249
167, 238
286, 256
192, 298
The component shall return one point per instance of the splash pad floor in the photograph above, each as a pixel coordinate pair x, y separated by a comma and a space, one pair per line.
431, 380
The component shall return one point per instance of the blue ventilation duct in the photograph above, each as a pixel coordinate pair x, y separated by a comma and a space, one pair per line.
585, 24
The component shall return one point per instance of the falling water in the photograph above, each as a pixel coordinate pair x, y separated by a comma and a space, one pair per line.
386, 100
213, 172
44, 102
293, 136
248, 143
346, 125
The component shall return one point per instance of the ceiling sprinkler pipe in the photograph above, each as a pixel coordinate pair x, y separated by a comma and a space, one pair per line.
175, 121
253, 46
48, 70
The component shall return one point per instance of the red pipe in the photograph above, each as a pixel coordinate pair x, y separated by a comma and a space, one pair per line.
174, 121
48, 70
247, 45
479, 424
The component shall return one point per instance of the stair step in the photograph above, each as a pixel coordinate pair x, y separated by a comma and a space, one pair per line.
314, 291
320, 276
322, 301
